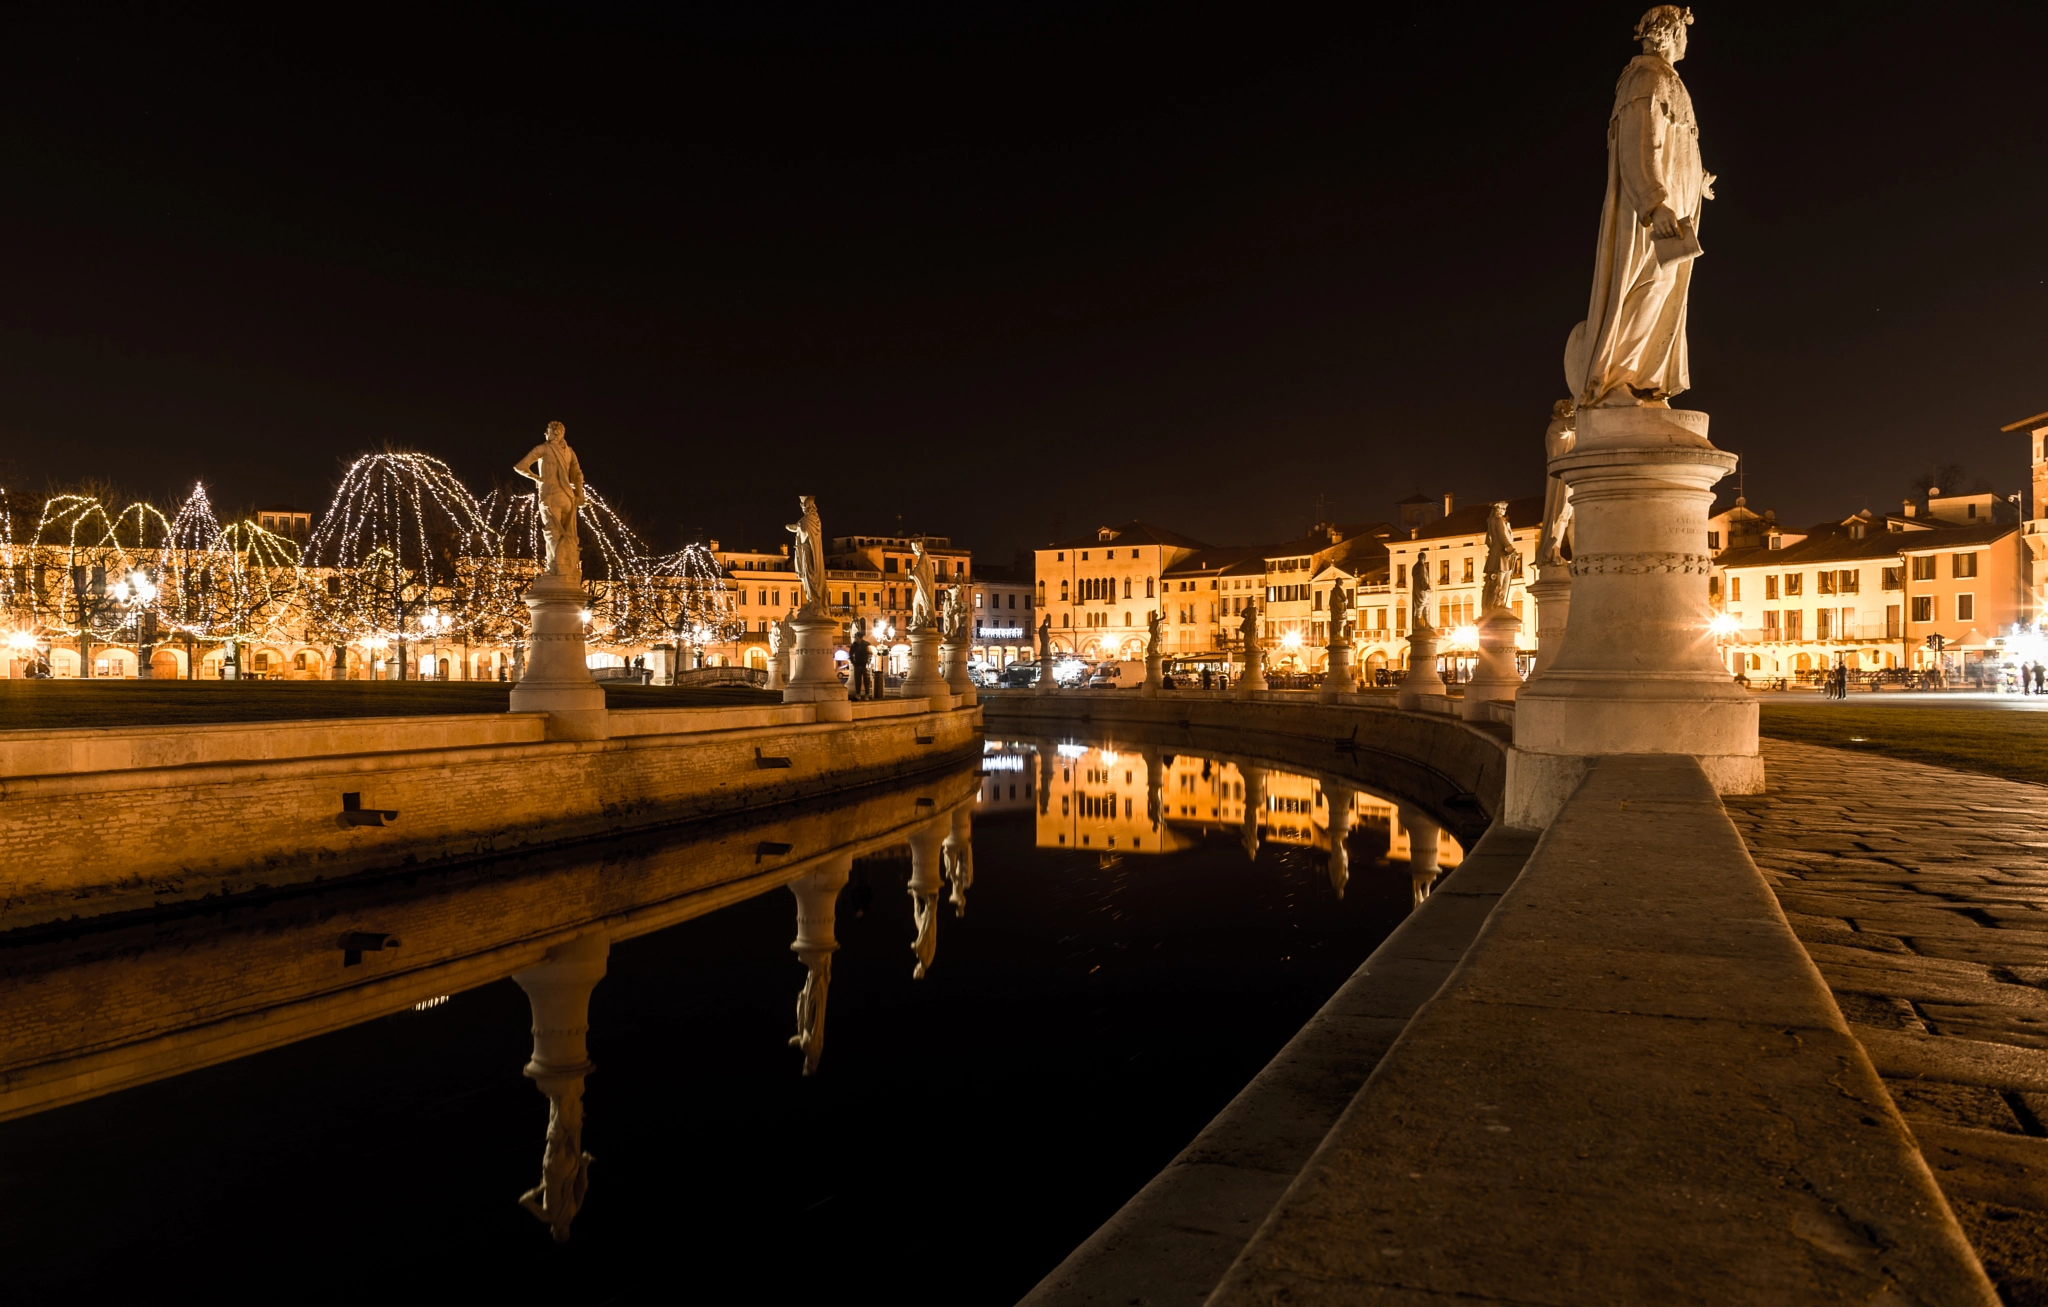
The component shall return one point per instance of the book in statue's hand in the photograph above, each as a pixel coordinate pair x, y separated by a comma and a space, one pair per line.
1677, 249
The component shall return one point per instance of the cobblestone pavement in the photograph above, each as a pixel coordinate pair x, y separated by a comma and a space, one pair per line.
1922, 895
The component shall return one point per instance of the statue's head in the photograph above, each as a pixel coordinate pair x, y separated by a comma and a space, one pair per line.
1563, 409
808, 503
1500, 508
1662, 31
556, 431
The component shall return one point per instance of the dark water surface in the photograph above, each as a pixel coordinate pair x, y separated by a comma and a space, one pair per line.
1089, 1013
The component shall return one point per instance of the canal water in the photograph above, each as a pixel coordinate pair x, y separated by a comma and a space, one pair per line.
1142, 932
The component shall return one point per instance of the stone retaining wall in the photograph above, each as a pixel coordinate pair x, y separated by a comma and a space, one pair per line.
145, 817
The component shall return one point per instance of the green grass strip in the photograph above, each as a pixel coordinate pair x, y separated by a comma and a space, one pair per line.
1996, 741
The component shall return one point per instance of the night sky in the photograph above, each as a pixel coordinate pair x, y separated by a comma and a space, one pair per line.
1003, 270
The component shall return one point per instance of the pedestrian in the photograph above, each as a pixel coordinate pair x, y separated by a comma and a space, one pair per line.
1205, 678
857, 658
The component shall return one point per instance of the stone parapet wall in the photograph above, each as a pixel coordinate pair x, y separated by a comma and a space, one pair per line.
130, 748
88, 841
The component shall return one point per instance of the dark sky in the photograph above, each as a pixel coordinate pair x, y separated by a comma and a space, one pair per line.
1001, 270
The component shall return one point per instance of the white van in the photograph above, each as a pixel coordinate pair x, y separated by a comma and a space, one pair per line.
1117, 676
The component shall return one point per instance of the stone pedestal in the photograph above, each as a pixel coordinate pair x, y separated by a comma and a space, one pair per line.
813, 678
1422, 681
559, 992
1254, 678
1045, 662
1495, 679
1424, 851
556, 680
1552, 591
1637, 670
927, 859
953, 669
958, 852
1254, 804
1337, 678
1340, 798
817, 910
778, 667
923, 679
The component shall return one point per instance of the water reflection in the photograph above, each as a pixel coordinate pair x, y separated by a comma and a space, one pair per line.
99, 1010
1089, 796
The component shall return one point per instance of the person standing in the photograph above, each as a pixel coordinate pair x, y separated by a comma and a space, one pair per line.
857, 659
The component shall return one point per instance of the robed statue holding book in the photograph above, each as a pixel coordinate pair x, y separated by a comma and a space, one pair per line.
1630, 350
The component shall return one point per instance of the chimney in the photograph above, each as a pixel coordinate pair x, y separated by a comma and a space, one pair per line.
1912, 509
714, 546
1447, 503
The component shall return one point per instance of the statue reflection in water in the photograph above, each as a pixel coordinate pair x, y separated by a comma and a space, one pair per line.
817, 905
558, 989
1424, 840
959, 856
1341, 808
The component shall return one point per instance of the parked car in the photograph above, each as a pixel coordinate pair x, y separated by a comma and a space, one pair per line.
1018, 676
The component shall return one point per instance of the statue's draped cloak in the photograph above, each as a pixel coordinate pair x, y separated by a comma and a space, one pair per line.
1634, 332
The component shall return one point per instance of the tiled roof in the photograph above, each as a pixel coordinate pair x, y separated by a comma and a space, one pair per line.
1131, 533
1471, 519
996, 574
1831, 543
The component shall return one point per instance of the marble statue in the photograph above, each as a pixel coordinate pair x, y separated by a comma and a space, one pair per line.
782, 643
1340, 612
1503, 562
558, 484
1558, 440
924, 916
1153, 639
1248, 624
1630, 350
1420, 591
1045, 644
808, 555
924, 596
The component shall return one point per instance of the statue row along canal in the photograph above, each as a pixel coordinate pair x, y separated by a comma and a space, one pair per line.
1023, 986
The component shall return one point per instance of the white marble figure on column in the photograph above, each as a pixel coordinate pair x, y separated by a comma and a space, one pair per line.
1630, 350
808, 555
1503, 562
924, 917
1340, 613
1421, 590
1558, 440
924, 586
1153, 641
558, 485
1248, 627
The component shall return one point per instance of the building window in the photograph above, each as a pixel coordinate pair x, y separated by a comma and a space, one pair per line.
1084, 555
1060, 557
1735, 589
1963, 565
1824, 624
1401, 575
1966, 607
1850, 581
1148, 587
1795, 622
1713, 539
1771, 586
1443, 572
1468, 571
1892, 578
1824, 582
1923, 569
1127, 587
1795, 582
1891, 618
1923, 606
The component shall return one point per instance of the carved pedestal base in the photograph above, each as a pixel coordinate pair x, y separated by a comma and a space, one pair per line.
1422, 681
1552, 591
1637, 670
813, 677
1254, 678
953, 669
555, 679
1340, 800
1154, 680
923, 679
1495, 680
1337, 679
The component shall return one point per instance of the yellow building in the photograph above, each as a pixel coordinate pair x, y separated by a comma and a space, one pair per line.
1100, 588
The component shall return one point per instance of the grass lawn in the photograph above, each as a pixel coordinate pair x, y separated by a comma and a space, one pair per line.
1999, 742
59, 705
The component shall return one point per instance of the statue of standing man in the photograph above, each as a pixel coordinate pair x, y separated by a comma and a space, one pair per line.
1421, 588
808, 555
1503, 562
1630, 350
558, 481
924, 592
